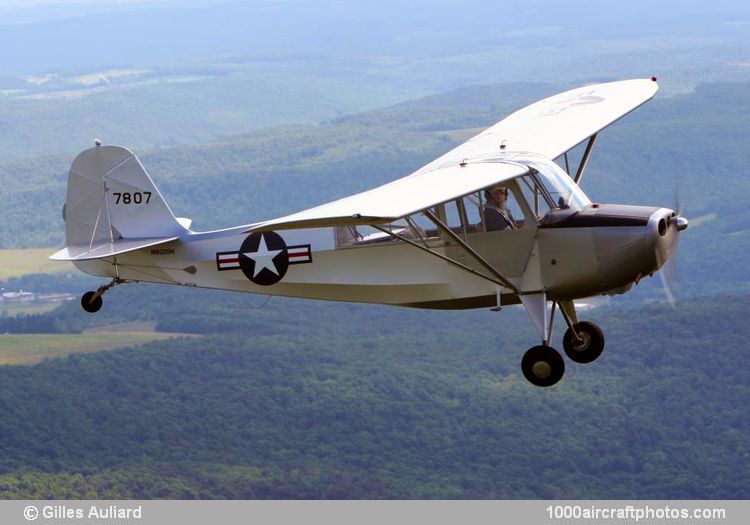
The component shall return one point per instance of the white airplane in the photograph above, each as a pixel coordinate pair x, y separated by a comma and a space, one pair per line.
493, 222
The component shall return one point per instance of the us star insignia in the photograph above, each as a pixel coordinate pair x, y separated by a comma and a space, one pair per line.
264, 258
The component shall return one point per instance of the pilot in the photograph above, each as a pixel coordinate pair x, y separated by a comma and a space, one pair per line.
497, 216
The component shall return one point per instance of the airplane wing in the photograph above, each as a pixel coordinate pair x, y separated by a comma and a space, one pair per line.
400, 198
556, 124
549, 127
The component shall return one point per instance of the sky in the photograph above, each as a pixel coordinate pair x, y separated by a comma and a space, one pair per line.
40, 37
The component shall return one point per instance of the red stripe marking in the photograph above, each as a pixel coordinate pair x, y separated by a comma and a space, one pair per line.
235, 260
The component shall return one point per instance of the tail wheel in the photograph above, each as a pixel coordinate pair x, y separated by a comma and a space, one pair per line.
542, 366
91, 306
590, 345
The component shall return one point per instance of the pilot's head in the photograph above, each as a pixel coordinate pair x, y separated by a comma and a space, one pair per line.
496, 194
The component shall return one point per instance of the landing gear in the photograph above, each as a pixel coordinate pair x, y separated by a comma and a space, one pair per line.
588, 344
543, 366
583, 341
92, 301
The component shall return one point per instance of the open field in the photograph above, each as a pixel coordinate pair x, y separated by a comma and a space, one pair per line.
17, 262
27, 349
12, 309
461, 135
134, 327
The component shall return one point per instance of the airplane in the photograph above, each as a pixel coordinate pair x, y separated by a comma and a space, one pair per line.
427, 240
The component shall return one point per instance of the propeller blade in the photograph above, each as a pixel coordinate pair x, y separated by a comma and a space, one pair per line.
666, 275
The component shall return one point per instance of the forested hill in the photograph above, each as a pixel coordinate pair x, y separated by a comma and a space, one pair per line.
345, 401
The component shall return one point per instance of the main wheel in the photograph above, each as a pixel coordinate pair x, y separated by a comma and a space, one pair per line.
591, 345
89, 305
542, 366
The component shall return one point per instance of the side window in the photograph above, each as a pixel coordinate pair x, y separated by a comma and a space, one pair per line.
415, 227
515, 208
473, 205
347, 235
452, 215
463, 215
501, 210
533, 195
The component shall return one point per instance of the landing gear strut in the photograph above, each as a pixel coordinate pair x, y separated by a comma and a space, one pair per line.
92, 301
583, 341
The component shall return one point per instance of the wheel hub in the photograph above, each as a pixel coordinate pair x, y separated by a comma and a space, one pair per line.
541, 369
583, 344
542, 366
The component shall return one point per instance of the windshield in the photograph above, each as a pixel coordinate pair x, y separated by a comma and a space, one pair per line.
564, 192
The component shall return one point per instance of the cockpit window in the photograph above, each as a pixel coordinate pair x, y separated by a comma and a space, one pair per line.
559, 187
545, 190
535, 195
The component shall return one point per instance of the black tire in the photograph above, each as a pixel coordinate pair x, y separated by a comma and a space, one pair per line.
89, 305
591, 347
542, 366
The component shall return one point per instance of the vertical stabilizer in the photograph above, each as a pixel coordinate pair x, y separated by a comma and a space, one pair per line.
111, 198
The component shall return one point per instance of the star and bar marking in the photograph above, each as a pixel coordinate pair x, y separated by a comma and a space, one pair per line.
264, 257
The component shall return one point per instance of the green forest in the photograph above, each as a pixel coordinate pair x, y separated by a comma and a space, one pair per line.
302, 399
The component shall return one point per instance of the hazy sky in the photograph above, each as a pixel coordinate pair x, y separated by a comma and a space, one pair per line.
41, 36
33, 3
55, 6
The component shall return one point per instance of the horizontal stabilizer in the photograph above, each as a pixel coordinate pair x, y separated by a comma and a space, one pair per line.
106, 249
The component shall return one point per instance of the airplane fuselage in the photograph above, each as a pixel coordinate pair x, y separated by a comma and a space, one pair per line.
604, 248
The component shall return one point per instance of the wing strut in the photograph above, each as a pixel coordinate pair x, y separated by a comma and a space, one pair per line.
481, 260
436, 254
584, 159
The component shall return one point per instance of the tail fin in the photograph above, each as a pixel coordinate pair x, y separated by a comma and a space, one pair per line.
113, 206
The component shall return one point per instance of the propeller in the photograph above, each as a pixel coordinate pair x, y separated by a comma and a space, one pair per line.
668, 269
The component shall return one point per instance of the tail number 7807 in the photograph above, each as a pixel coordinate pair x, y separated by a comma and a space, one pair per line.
136, 197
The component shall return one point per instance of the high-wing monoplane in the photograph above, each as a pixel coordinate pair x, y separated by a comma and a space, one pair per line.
499, 220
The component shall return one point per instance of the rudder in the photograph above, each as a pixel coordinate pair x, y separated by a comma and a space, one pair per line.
111, 197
